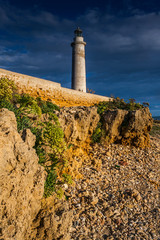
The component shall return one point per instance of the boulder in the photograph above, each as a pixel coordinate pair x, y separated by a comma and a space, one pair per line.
112, 123
78, 123
21, 181
24, 213
128, 127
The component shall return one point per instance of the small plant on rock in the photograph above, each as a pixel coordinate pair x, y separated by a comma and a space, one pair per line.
90, 91
118, 103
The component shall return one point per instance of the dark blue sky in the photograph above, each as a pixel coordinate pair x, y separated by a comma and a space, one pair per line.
122, 52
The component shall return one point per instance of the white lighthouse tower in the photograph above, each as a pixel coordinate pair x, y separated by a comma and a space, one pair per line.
78, 62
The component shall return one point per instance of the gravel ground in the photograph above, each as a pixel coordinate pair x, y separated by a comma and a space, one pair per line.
118, 196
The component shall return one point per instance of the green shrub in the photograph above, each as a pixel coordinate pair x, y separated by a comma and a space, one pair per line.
118, 103
96, 137
52, 135
7, 88
53, 116
47, 107
29, 105
50, 184
67, 178
7, 104
22, 121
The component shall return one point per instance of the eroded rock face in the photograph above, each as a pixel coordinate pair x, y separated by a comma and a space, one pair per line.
24, 214
21, 180
112, 123
128, 127
54, 220
78, 123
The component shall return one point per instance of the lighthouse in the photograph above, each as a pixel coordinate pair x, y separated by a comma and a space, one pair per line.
78, 62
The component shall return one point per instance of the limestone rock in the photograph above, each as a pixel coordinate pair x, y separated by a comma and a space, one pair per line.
28, 138
112, 121
128, 127
120, 126
78, 123
7, 120
21, 181
23, 214
136, 195
136, 132
54, 220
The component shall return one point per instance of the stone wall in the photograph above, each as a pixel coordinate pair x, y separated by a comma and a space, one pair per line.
52, 91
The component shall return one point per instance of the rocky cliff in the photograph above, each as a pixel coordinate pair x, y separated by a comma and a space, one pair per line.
78, 124
21, 180
128, 127
118, 126
24, 213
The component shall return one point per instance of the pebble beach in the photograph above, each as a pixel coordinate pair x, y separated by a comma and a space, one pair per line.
118, 196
